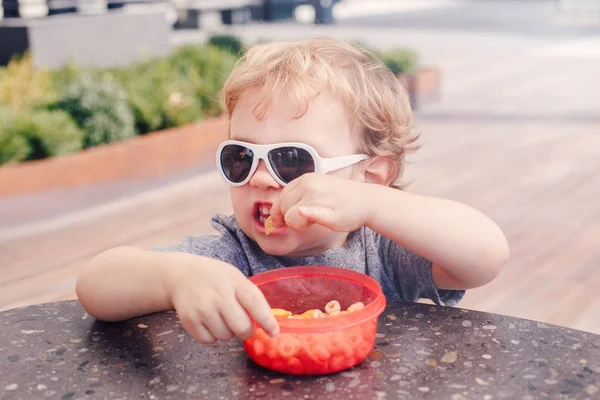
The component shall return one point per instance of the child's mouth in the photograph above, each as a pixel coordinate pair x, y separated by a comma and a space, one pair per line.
263, 211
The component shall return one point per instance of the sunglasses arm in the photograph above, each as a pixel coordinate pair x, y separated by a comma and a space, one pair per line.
335, 163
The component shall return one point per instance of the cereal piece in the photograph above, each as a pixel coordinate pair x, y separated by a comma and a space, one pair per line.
334, 314
295, 366
312, 314
280, 312
362, 349
338, 345
261, 335
356, 307
318, 352
332, 306
258, 347
337, 363
288, 348
354, 338
269, 227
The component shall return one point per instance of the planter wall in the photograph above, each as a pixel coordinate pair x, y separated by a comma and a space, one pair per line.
150, 156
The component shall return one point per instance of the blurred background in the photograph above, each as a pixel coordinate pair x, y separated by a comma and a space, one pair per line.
109, 120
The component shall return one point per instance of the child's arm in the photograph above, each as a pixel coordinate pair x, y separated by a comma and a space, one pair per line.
212, 298
466, 248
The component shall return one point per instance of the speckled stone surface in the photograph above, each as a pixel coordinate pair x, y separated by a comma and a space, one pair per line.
57, 351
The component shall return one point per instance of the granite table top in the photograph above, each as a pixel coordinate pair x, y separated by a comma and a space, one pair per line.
58, 351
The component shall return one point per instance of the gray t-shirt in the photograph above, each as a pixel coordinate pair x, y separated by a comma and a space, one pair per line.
403, 275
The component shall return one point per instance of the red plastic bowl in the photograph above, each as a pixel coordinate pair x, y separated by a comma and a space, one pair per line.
323, 345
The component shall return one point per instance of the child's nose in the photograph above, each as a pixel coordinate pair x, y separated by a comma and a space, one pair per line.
262, 178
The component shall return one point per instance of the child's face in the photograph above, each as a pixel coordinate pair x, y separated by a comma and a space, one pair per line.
325, 126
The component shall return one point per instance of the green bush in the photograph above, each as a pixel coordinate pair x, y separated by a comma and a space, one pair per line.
177, 90
64, 76
52, 133
37, 134
13, 146
230, 43
99, 107
400, 61
22, 86
160, 96
46, 113
207, 68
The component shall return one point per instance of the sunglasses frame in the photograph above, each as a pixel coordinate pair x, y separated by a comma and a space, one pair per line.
322, 165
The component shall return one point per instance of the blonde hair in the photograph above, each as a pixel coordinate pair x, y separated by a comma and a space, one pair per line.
375, 99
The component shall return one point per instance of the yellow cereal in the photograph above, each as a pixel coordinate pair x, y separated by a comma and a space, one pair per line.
356, 307
332, 309
280, 312
337, 313
332, 306
312, 314
269, 226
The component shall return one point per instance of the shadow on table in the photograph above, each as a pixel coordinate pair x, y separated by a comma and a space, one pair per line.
126, 350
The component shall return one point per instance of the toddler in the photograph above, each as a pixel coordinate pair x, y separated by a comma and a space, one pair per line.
318, 135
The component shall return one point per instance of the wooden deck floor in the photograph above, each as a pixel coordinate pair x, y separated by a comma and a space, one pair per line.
540, 182
538, 179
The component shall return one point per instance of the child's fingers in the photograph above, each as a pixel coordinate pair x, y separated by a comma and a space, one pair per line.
289, 196
200, 333
254, 302
276, 214
237, 320
295, 220
320, 215
217, 327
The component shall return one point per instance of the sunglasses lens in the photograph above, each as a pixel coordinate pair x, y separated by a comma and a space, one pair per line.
291, 162
236, 162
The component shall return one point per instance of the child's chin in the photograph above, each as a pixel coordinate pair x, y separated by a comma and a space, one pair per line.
274, 249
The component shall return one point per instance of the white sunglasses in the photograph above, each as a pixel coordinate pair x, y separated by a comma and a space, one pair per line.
237, 161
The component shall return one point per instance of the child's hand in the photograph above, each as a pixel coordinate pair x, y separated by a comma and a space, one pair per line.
337, 203
214, 301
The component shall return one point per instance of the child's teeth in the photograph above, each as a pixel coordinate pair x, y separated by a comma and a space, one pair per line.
262, 219
266, 210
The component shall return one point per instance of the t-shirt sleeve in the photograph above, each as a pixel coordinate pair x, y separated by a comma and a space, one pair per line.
224, 247
412, 275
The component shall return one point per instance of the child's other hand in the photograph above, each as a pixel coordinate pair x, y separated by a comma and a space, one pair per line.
214, 301
337, 203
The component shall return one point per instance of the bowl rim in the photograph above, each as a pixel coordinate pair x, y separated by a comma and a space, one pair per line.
372, 310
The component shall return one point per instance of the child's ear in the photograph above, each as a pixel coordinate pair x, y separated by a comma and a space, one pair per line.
379, 170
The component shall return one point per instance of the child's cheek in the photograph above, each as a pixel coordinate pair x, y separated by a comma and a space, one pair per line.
242, 209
